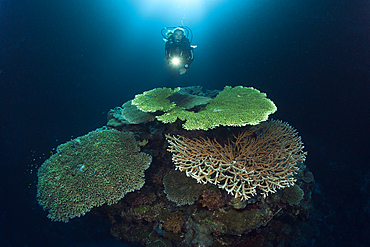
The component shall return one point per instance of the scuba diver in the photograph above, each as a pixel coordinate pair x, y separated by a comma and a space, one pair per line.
178, 50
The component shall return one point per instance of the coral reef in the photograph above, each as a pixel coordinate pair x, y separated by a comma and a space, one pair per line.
89, 171
115, 118
192, 90
188, 101
308, 177
181, 189
95, 173
262, 158
174, 223
127, 114
212, 199
292, 195
133, 115
155, 100
238, 106
202, 233
151, 103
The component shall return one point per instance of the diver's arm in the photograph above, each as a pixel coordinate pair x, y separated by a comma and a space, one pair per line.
168, 50
189, 57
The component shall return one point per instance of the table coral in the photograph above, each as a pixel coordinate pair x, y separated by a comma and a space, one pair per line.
89, 171
233, 106
155, 100
238, 106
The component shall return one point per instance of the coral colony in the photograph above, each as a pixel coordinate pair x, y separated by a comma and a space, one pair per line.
184, 167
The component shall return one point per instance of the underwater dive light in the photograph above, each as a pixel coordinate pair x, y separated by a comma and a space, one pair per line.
175, 61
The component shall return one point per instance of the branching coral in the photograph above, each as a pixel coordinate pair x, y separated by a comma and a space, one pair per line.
261, 159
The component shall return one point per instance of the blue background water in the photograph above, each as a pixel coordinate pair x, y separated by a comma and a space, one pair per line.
64, 64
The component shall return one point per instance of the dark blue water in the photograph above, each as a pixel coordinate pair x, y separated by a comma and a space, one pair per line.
64, 64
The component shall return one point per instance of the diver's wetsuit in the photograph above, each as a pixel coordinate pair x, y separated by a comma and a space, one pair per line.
181, 49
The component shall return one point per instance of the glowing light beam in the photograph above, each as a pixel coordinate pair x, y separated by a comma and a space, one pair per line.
175, 10
175, 61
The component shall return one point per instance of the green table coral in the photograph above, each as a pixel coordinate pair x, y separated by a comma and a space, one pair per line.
238, 106
155, 100
98, 168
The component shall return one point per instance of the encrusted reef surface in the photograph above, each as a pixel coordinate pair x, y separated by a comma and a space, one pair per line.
215, 218
237, 181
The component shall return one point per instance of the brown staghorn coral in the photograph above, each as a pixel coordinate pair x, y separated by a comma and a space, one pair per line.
89, 171
261, 159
